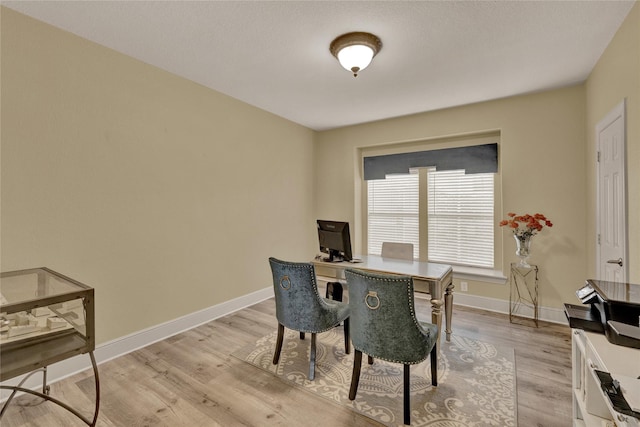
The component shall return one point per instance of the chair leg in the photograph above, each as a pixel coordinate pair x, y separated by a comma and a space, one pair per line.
407, 395
312, 358
276, 354
355, 375
347, 340
434, 365
370, 360
301, 335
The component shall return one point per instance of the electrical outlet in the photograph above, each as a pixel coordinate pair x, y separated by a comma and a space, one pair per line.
464, 287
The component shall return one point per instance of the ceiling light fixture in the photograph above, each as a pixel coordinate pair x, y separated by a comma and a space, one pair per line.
355, 50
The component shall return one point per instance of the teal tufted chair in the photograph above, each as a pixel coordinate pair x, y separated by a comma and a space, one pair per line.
384, 326
300, 307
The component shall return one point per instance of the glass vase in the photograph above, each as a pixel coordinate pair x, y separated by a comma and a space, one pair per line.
523, 248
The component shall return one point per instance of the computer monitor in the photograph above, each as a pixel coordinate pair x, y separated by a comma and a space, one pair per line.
335, 240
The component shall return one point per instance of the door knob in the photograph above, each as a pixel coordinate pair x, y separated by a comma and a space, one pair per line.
615, 261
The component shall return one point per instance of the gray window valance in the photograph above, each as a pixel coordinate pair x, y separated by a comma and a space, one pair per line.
473, 159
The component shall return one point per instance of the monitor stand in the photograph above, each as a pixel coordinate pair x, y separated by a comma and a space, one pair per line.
334, 256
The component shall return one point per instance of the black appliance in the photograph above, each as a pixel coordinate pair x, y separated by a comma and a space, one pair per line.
611, 308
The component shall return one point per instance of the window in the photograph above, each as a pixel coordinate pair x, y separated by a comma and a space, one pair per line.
393, 212
458, 215
460, 218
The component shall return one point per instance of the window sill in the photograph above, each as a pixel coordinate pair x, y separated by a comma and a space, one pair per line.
479, 274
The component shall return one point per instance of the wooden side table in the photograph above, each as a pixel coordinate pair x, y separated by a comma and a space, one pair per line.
523, 293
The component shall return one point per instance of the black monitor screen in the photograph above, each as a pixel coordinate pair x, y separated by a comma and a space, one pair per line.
335, 240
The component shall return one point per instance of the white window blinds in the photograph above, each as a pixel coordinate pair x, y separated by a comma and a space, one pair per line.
393, 212
460, 218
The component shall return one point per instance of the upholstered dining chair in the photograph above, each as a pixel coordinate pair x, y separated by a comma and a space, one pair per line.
397, 250
300, 307
384, 326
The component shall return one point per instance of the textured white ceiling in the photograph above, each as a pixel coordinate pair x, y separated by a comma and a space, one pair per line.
275, 54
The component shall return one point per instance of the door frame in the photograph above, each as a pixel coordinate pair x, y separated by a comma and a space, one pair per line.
619, 111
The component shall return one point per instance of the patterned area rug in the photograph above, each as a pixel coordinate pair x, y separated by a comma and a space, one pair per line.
476, 380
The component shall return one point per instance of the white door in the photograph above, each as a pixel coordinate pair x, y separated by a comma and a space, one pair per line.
612, 197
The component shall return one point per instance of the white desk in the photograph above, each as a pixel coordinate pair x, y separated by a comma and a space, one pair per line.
438, 276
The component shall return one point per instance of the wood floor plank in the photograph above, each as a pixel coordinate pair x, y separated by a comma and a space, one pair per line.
191, 379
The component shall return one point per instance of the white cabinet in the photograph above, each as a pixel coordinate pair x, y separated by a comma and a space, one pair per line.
590, 352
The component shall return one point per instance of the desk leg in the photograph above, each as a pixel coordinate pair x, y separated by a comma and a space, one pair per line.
448, 309
436, 317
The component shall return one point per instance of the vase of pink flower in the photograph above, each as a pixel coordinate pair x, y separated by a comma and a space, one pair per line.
524, 227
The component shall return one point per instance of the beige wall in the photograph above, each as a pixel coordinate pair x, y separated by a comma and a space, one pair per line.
164, 196
542, 169
617, 77
547, 164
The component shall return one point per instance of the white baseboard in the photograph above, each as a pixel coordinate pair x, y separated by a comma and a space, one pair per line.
548, 314
121, 346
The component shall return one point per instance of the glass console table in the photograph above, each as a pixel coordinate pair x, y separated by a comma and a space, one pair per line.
523, 293
45, 318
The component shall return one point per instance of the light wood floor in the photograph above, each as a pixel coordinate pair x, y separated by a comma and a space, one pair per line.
192, 380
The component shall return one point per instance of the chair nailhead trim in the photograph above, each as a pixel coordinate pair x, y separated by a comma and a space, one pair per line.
311, 269
409, 293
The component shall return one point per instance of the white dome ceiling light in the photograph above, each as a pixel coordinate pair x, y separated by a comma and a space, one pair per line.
355, 50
